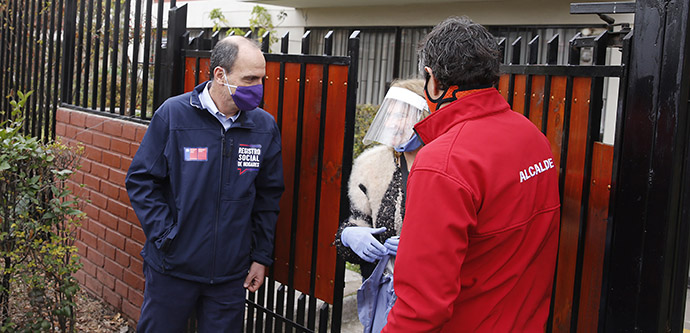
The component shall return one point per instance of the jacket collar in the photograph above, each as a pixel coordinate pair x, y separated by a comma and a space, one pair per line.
475, 105
243, 121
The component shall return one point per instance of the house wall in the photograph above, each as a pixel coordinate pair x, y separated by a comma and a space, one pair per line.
504, 12
110, 238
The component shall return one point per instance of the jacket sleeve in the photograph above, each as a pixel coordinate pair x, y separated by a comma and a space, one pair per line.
147, 179
360, 211
269, 187
433, 245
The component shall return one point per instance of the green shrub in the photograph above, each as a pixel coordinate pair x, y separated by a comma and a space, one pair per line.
38, 217
364, 117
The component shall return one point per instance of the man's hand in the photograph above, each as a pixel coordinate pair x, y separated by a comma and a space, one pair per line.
255, 278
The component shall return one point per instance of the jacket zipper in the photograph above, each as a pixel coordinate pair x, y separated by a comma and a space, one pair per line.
220, 188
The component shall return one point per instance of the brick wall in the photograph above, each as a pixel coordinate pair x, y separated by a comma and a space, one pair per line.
110, 238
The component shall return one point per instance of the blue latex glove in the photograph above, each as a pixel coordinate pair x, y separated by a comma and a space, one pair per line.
391, 245
362, 241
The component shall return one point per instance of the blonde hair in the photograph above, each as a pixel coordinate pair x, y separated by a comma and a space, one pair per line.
414, 85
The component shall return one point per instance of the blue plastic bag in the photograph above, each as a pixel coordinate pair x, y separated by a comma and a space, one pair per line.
375, 298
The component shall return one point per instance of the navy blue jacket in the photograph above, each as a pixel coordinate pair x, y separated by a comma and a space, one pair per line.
207, 199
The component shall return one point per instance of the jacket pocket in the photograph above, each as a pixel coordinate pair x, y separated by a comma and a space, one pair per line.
163, 242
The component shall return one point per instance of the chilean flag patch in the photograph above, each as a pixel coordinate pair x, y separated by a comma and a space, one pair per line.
198, 154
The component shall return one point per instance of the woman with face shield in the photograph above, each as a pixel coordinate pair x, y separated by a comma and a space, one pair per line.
378, 180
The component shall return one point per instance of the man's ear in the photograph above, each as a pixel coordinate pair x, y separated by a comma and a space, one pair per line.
432, 86
218, 75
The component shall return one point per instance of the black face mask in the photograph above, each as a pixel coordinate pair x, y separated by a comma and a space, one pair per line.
435, 103
448, 95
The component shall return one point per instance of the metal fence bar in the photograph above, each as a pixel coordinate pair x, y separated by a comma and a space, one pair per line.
146, 63
35, 30
113, 55
124, 62
106, 43
96, 56
158, 57
87, 56
41, 92
75, 99
134, 87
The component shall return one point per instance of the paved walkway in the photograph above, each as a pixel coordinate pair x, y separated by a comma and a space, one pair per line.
351, 322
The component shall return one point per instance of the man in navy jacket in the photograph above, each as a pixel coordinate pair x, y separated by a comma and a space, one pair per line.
206, 184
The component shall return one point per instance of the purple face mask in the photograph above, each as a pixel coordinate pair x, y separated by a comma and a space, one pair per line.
246, 97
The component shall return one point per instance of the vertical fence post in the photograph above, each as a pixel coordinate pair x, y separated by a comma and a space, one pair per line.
350, 113
172, 64
68, 47
502, 49
266, 42
649, 207
515, 49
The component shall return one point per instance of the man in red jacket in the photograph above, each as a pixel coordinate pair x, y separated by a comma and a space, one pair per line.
479, 241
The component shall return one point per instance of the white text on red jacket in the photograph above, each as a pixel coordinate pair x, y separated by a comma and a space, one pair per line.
536, 169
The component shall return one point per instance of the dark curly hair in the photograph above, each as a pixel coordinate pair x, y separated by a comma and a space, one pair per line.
460, 52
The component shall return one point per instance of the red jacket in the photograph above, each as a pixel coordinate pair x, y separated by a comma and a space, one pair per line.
480, 236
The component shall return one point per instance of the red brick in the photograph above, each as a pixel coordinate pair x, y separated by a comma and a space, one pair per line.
113, 268
135, 296
93, 153
84, 137
91, 211
78, 119
113, 127
122, 258
108, 220
132, 217
106, 279
89, 239
92, 182
133, 280
97, 229
132, 247
101, 141
129, 131
77, 177
121, 288
100, 200
62, 115
70, 131
115, 239
106, 249
94, 286
80, 276
133, 150
94, 123
88, 267
138, 235
85, 165
131, 311
120, 146
112, 298
96, 258
141, 131
117, 177
125, 228
112, 191
125, 162
81, 247
117, 208
111, 159
124, 198
60, 129
136, 266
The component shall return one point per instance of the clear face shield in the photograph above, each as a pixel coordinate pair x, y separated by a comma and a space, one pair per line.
393, 124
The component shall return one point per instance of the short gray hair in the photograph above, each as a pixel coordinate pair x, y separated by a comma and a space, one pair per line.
460, 52
225, 52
